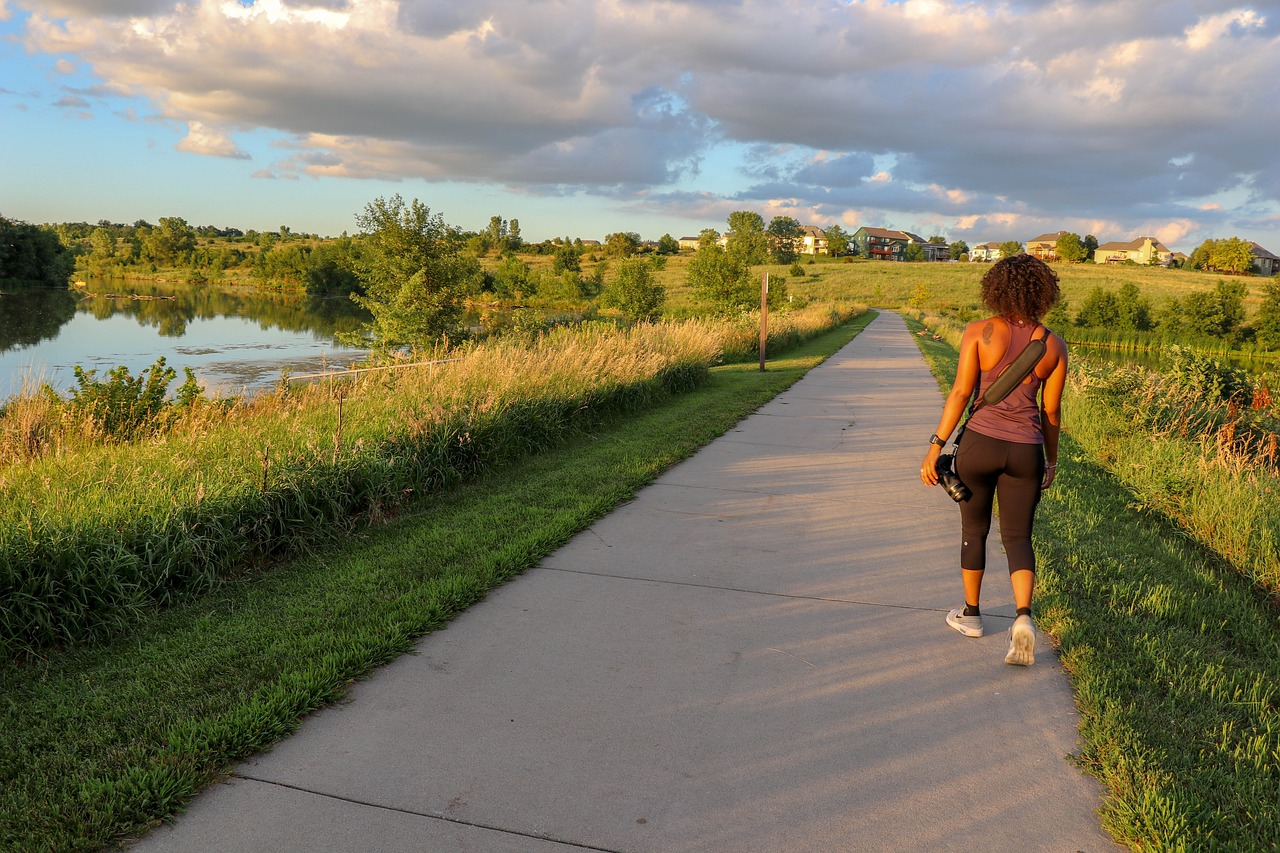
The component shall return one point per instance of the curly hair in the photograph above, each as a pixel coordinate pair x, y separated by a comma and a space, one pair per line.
1021, 286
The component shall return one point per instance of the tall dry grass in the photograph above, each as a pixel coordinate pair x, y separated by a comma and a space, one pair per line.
1203, 454
94, 530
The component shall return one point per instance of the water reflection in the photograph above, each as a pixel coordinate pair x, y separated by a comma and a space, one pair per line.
233, 338
28, 317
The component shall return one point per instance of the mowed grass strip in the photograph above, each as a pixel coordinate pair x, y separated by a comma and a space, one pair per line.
100, 743
1174, 656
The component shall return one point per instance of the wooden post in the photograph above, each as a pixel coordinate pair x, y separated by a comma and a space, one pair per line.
764, 316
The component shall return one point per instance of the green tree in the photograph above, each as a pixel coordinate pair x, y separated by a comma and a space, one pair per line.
1199, 258
959, 249
1169, 317
511, 278
1101, 310
1090, 246
1219, 313
1059, 316
31, 253
566, 258
1071, 248
746, 238
621, 244
414, 273
1009, 248
634, 291
1268, 319
103, 243
721, 280
668, 245
172, 241
837, 240
937, 240
1133, 309
497, 232
784, 234
914, 253
1231, 255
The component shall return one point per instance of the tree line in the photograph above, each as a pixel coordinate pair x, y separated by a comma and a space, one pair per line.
1218, 314
33, 254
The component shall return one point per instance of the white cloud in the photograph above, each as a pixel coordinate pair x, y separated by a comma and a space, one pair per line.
1073, 111
211, 141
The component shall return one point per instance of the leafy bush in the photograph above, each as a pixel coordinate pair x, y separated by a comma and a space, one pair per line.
125, 407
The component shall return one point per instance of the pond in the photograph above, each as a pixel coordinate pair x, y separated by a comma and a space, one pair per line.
234, 339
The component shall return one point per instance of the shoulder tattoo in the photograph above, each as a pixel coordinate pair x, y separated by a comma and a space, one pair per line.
987, 331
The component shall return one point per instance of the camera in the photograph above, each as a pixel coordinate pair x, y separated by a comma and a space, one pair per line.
950, 480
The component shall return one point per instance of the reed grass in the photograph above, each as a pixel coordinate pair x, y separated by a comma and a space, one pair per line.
97, 531
1209, 463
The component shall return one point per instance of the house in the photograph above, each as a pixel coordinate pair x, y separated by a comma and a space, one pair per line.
936, 251
688, 244
1264, 263
881, 244
985, 252
1140, 251
1044, 247
885, 244
813, 241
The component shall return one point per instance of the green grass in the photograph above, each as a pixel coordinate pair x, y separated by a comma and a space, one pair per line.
1174, 656
98, 743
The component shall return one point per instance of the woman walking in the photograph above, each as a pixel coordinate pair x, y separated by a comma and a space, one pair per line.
1010, 449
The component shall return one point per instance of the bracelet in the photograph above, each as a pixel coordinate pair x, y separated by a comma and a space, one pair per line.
1054, 465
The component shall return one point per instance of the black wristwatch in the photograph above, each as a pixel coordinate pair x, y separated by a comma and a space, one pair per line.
933, 439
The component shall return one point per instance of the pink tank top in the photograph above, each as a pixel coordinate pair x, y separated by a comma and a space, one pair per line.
1016, 418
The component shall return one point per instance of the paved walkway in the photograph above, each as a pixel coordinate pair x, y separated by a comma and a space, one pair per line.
749, 656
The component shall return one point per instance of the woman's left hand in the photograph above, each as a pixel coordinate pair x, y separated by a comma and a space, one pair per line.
1049, 474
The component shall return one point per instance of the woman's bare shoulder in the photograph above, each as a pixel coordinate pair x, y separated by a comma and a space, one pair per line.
984, 329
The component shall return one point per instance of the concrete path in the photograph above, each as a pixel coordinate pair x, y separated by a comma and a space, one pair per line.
750, 656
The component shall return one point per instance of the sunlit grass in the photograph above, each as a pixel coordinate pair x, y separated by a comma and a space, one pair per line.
95, 530
98, 742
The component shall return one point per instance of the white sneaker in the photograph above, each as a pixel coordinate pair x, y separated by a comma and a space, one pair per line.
1022, 642
970, 626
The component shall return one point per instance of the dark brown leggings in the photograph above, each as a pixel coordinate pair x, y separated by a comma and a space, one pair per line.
1013, 472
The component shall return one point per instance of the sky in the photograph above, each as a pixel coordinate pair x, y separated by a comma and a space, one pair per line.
977, 121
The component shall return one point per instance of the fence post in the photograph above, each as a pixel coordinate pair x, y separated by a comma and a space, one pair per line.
764, 316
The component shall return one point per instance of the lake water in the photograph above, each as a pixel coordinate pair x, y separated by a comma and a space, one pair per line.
234, 339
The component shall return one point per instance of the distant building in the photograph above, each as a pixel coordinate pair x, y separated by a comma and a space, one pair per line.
1044, 247
886, 244
1140, 251
1264, 263
690, 243
984, 252
814, 241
